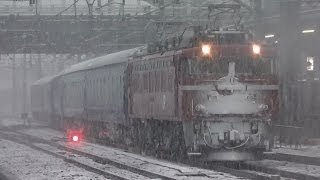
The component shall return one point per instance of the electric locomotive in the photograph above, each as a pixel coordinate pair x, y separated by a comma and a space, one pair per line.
212, 94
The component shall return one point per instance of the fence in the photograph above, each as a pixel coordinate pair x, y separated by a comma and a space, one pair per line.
288, 136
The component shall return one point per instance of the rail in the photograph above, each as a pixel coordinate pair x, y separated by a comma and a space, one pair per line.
95, 166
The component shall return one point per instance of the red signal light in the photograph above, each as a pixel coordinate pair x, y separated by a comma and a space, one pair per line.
75, 138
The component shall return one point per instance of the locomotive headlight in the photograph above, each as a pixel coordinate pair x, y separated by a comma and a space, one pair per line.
256, 49
206, 49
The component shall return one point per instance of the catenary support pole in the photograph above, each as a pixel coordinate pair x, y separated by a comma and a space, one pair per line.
289, 56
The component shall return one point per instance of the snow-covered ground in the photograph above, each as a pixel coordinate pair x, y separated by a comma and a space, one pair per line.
311, 151
29, 156
178, 171
24, 163
310, 170
10, 122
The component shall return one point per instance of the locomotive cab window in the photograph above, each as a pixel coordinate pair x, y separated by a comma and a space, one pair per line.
219, 67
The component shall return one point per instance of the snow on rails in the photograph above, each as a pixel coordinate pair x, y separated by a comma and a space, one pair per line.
109, 162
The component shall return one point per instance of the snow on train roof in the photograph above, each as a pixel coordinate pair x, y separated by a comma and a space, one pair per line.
114, 58
44, 80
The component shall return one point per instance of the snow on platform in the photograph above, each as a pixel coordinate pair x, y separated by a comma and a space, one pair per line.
18, 122
309, 151
10, 122
292, 167
25, 163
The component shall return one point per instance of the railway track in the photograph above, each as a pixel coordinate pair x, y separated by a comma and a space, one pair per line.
260, 170
110, 168
293, 158
284, 169
85, 161
283, 166
250, 174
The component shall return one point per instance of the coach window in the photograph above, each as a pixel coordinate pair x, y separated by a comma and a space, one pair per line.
157, 81
145, 82
136, 83
164, 81
120, 86
154, 80
91, 88
98, 89
150, 81
170, 80
113, 90
101, 89
153, 65
140, 82
95, 90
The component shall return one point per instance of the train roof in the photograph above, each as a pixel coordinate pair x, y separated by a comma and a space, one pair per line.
44, 80
114, 58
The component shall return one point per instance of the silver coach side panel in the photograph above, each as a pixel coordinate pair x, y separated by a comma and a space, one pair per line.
104, 87
73, 95
36, 99
41, 94
105, 93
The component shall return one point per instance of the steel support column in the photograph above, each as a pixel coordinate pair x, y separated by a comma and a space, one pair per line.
289, 56
14, 85
39, 66
24, 83
258, 34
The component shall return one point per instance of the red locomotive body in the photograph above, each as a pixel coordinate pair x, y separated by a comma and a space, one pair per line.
221, 97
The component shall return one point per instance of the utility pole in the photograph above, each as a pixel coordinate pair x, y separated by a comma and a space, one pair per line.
289, 56
109, 6
37, 8
24, 82
90, 7
257, 6
161, 6
75, 8
39, 68
122, 9
189, 8
14, 83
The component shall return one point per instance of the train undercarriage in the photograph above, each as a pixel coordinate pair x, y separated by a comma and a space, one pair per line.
242, 140
231, 139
